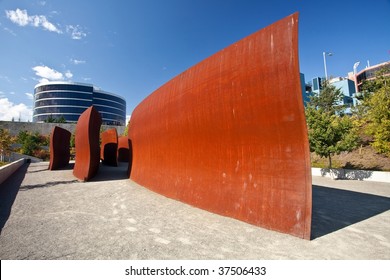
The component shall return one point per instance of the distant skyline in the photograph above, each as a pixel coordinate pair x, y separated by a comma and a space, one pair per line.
133, 47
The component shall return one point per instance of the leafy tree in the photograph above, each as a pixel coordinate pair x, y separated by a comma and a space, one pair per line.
50, 119
126, 130
328, 100
23, 134
5, 143
375, 108
330, 131
31, 142
61, 120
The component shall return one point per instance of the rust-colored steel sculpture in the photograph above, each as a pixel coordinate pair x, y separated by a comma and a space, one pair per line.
59, 148
123, 149
109, 147
87, 144
229, 134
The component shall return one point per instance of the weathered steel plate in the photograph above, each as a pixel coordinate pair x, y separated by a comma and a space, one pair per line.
87, 144
229, 134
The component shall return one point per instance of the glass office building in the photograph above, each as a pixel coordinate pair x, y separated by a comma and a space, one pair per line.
69, 100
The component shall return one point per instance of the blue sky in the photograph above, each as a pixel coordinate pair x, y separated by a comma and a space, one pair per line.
132, 47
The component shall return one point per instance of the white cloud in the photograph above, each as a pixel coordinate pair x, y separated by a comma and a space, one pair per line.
9, 111
9, 31
76, 32
68, 74
77, 62
29, 95
47, 74
6, 78
21, 17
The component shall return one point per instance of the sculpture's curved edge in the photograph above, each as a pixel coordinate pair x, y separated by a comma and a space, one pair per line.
109, 147
59, 148
229, 134
87, 144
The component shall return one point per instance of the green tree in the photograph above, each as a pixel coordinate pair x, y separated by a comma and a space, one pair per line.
330, 130
126, 130
5, 143
61, 120
50, 119
375, 108
31, 142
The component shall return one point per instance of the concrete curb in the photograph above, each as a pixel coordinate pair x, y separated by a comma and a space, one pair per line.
350, 174
9, 169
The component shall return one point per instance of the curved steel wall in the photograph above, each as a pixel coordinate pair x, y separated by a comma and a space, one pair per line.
229, 134
70, 100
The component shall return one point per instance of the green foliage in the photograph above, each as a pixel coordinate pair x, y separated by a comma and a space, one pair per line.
5, 143
330, 131
126, 130
31, 142
378, 119
328, 100
72, 140
51, 119
373, 112
61, 119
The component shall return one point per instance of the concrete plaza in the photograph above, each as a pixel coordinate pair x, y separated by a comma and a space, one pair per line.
50, 215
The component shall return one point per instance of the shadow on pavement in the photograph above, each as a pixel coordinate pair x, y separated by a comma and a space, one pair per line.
48, 184
8, 192
111, 173
334, 209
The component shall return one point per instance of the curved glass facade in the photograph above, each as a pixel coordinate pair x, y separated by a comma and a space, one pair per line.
70, 100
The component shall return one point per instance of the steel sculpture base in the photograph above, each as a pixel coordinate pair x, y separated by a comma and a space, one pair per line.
59, 148
123, 149
109, 147
229, 134
87, 144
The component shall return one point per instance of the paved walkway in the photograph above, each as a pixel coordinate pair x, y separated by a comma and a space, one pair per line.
56, 217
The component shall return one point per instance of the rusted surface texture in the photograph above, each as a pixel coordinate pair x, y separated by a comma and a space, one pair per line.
123, 149
229, 134
59, 148
109, 147
87, 144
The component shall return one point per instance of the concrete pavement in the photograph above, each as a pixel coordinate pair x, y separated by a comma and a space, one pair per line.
54, 216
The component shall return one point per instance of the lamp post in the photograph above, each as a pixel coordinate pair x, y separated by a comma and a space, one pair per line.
324, 55
355, 66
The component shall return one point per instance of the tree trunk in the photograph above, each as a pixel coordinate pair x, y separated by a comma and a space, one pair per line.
330, 161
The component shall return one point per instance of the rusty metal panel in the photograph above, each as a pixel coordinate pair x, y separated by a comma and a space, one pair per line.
123, 149
229, 134
109, 147
59, 148
87, 144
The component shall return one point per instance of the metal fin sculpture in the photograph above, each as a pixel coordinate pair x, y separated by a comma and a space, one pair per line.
229, 134
87, 144
109, 147
123, 149
59, 148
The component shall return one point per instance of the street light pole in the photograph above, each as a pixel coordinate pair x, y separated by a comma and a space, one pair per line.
355, 66
324, 55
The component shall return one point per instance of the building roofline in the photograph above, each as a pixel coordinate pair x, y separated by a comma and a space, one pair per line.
94, 88
373, 67
63, 83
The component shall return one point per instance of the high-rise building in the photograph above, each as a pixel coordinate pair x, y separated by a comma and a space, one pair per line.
69, 100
